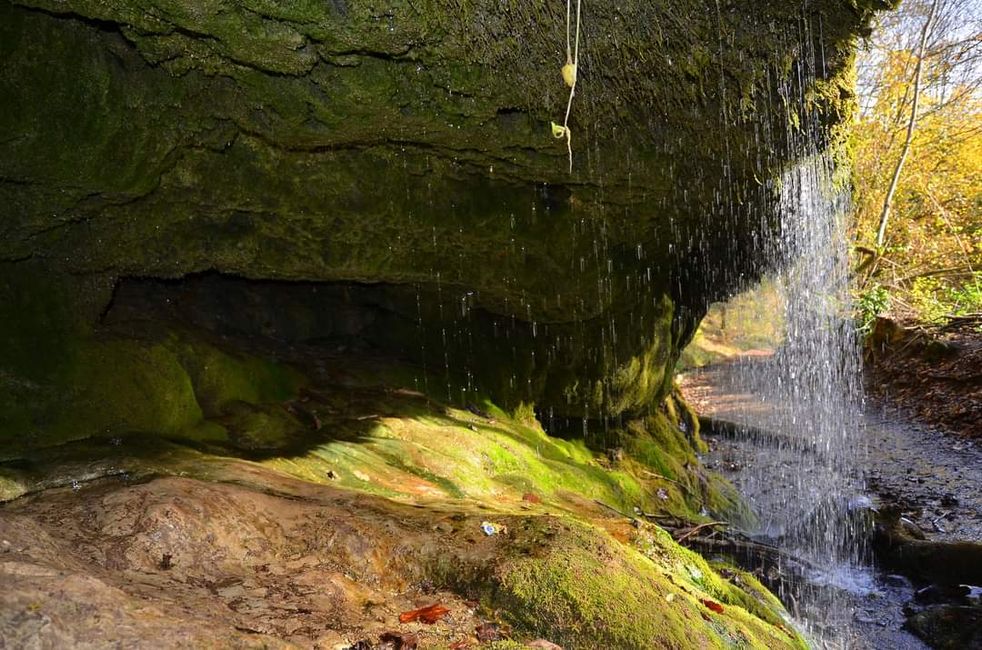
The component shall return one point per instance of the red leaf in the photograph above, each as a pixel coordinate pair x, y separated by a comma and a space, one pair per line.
428, 615
716, 607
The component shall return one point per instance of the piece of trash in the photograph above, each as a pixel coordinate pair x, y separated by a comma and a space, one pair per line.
716, 607
531, 497
662, 494
398, 641
542, 644
428, 615
488, 632
492, 529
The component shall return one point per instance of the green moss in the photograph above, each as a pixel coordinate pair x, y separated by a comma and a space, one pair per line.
289, 140
507, 644
128, 387
577, 587
221, 378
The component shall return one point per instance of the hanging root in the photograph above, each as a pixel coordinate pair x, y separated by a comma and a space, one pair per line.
569, 77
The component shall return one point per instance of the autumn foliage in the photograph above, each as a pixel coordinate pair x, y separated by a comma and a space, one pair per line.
929, 266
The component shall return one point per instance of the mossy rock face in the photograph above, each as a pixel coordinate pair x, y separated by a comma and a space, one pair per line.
361, 142
408, 144
575, 585
309, 563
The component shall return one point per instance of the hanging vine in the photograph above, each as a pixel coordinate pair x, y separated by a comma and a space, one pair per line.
569, 77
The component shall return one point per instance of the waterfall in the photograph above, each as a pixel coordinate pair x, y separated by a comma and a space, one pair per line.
809, 395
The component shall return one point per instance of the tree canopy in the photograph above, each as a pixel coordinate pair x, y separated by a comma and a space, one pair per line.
929, 259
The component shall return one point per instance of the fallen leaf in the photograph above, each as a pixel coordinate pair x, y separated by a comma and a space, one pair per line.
531, 497
428, 615
716, 607
398, 641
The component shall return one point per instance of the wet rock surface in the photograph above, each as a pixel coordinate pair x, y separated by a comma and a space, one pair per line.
193, 564
321, 499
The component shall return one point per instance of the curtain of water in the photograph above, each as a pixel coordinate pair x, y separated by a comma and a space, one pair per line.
809, 395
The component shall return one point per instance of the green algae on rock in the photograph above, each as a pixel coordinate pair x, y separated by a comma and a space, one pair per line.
407, 144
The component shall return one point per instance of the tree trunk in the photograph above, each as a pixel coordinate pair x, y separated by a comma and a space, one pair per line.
888, 201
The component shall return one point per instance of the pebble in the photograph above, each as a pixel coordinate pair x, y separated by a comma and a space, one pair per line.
894, 580
864, 617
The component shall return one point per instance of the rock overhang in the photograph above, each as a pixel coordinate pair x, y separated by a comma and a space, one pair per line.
408, 144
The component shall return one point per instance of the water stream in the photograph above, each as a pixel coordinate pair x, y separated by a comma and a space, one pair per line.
811, 395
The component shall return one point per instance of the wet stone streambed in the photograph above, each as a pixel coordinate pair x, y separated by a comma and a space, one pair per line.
920, 482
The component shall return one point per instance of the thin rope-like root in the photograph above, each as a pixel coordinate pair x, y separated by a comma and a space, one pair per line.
569, 52
572, 58
569, 147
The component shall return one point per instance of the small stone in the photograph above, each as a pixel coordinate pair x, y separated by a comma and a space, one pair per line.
894, 580
443, 527
864, 617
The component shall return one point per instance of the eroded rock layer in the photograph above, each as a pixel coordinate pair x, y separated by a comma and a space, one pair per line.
408, 144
